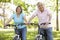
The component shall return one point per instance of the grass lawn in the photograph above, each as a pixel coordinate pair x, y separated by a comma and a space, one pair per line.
8, 35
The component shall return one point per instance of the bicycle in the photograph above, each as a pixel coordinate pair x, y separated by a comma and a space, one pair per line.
41, 36
17, 37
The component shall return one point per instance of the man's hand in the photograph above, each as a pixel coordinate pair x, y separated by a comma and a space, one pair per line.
48, 23
5, 25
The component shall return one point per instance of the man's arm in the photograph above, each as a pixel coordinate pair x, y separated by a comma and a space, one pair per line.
32, 17
34, 13
50, 17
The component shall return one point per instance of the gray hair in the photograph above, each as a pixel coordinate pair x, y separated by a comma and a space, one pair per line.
40, 3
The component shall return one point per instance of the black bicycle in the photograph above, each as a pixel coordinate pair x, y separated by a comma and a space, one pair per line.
41, 36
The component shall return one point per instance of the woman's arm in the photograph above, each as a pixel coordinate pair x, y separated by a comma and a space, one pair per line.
25, 19
8, 21
2, 15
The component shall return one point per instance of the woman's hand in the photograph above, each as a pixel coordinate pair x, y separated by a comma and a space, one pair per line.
26, 23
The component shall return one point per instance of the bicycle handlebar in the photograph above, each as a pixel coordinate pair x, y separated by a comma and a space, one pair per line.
22, 24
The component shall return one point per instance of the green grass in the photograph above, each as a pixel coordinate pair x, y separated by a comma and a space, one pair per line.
8, 35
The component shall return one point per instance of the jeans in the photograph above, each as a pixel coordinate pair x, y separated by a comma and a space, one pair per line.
21, 33
48, 32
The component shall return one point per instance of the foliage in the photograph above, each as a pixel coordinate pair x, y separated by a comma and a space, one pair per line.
5, 0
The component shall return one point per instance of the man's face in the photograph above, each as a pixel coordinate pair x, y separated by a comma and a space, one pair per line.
41, 7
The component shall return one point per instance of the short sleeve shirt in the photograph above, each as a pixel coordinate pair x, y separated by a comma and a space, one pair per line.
19, 20
42, 16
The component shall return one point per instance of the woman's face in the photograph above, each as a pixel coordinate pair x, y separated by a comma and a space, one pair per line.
18, 10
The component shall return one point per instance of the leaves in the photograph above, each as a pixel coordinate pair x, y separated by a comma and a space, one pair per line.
5, 0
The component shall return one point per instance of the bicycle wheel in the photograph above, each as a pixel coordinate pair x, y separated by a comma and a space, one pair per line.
16, 38
38, 37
